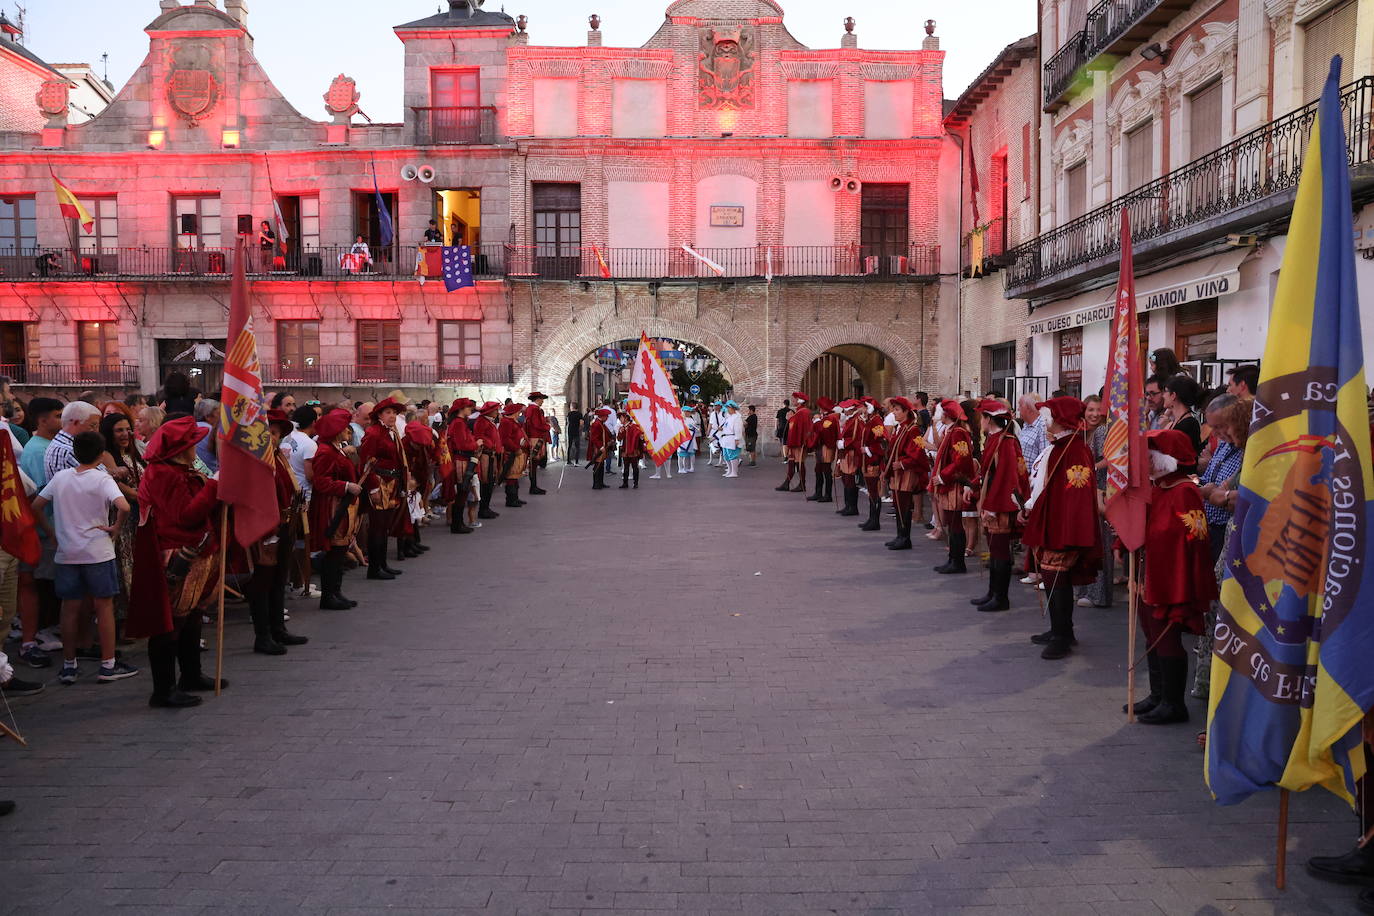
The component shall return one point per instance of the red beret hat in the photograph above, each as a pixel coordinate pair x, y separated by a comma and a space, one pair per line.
1174, 443
953, 409
1067, 411
331, 424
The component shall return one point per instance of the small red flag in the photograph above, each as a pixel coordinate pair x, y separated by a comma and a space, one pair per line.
1127, 457
18, 530
602, 267
246, 480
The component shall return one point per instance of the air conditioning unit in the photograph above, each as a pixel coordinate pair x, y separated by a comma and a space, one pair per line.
409, 172
427, 174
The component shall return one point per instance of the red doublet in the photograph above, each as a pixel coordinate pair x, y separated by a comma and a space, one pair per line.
178, 504
486, 431
1003, 476
1180, 583
633, 437
908, 467
598, 438
380, 445
513, 437
853, 434
333, 471
827, 431
461, 442
536, 424
874, 448
419, 446
1064, 517
954, 462
799, 429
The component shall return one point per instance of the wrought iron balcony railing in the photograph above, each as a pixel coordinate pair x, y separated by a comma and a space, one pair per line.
1235, 180
69, 373
363, 262
1112, 27
387, 372
455, 126
1063, 67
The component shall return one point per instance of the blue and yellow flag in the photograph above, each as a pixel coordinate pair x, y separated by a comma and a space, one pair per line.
1293, 675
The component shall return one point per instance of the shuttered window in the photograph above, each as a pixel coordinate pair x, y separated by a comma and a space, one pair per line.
1204, 120
1076, 180
1140, 153
1333, 32
379, 345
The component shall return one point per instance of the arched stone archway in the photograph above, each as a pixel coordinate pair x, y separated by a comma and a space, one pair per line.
560, 351
904, 357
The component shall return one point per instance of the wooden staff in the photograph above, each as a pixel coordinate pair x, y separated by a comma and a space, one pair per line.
11, 733
219, 624
1281, 875
1132, 620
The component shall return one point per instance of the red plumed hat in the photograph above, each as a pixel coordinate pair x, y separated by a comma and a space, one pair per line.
1067, 411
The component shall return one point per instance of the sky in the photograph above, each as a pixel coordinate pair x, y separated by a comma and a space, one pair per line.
302, 44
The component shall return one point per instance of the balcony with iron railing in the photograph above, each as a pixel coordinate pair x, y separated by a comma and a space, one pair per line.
388, 372
452, 126
552, 262
1114, 28
71, 373
1247, 186
994, 249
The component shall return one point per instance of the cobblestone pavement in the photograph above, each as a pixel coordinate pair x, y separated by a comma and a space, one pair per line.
797, 721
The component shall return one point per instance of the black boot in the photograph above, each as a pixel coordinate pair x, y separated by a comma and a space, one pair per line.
875, 513
1355, 867
827, 487
999, 579
801, 481
903, 539
485, 492
456, 525
1061, 638
625, 477
408, 549
332, 583
957, 541
1156, 687
1173, 708
992, 586
787, 484
535, 489
513, 496
259, 584
162, 663
192, 679
819, 489
851, 500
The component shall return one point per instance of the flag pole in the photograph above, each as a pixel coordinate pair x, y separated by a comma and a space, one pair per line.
219, 624
1281, 875
11, 733
1132, 617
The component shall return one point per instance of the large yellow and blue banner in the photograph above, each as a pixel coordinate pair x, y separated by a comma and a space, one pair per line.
1293, 669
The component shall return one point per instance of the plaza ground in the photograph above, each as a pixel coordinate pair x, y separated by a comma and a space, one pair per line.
701, 696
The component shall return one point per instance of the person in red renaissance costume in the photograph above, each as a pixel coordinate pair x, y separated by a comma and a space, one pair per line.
1180, 584
421, 455
517, 449
955, 468
462, 445
825, 435
797, 442
906, 470
176, 555
848, 453
1060, 520
271, 556
538, 431
491, 455
599, 447
335, 479
385, 486
1002, 488
873, 457
631, 450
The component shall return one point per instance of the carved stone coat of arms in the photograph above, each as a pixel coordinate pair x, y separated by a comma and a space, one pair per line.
725, 76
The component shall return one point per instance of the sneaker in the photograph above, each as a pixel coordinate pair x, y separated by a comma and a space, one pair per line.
474, 524
116, 672
1085, 602
309, 592
69, 675
1030, 580
49, 640
285, 616
35, 657
14, 687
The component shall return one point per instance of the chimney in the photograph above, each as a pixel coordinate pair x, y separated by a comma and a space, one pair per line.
931, 43
849, 39
209, 3
169, 5
238, 11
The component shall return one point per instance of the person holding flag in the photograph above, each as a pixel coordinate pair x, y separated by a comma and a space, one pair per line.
1298, 591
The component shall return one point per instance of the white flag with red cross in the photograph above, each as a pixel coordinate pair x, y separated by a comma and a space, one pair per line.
653, 404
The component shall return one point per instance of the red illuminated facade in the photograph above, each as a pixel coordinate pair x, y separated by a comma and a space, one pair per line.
581, 177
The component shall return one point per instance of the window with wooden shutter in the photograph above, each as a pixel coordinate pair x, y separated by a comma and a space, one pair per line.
1204, 120
97, 345
1076, 181
1140, 152
379, 346
298, 349
1331, 33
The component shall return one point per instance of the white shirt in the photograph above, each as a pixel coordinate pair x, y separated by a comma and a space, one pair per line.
732, 431
298, 448
81, 502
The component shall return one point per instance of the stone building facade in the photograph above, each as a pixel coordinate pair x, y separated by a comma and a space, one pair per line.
808, 181
1194, 117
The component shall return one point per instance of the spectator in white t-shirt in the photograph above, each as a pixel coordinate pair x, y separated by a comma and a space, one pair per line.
82, 498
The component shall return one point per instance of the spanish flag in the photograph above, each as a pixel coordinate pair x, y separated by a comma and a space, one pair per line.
1292, 676
71, 207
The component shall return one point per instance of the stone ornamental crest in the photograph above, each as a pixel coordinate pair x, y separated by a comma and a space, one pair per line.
193, 86
52, 97
725, 76
342, 98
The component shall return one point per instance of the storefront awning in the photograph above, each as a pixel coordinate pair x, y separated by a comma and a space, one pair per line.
1205, 278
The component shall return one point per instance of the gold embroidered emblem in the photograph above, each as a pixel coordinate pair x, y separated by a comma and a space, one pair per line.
1194, 524
1078, 476
961, 448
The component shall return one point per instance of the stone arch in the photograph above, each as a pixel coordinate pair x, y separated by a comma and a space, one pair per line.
904, 357
560, 351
